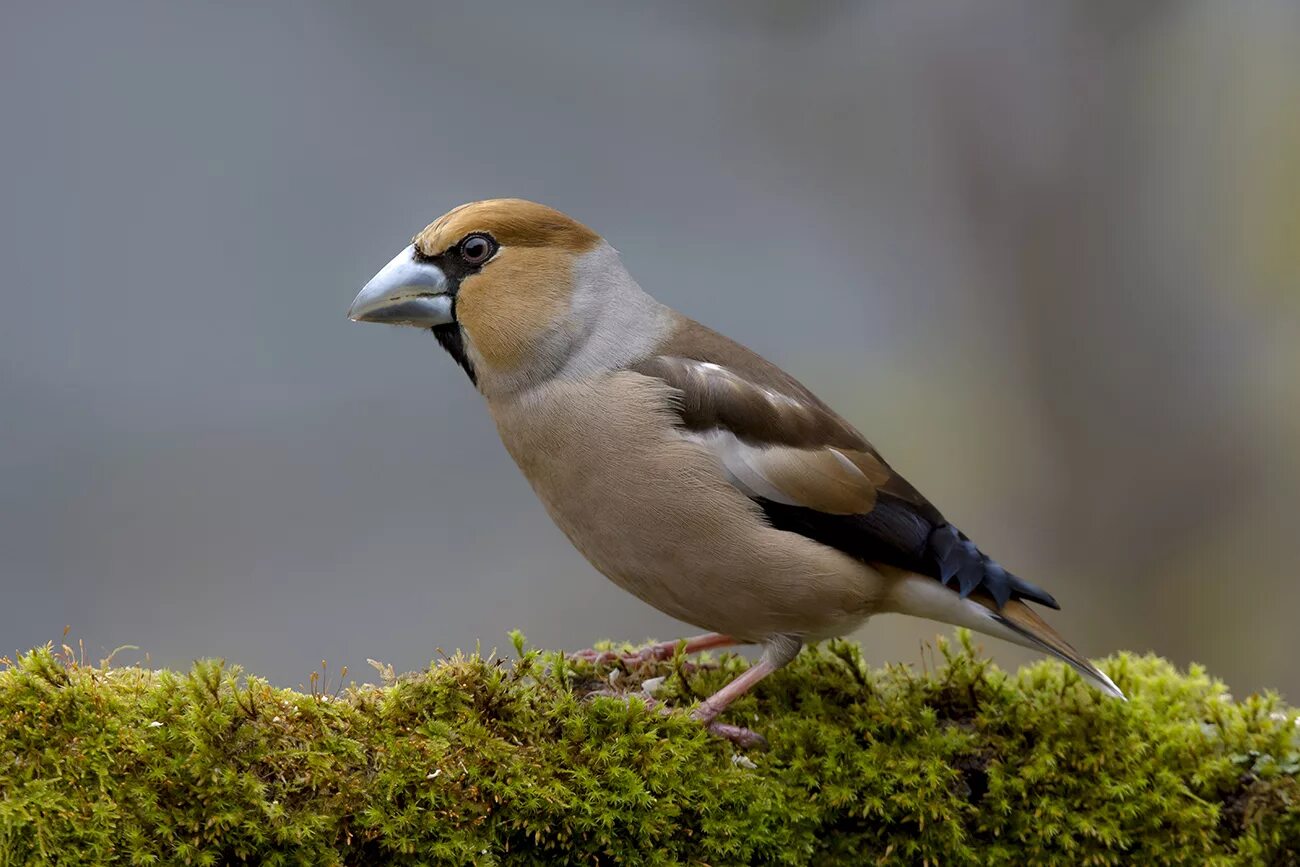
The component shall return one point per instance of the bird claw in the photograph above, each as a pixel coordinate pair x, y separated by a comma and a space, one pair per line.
739, 735
593, 655
742, 737
607, 657
652, 653
661, 652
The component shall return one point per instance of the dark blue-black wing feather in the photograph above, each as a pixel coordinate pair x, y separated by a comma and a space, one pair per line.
907, 535
724, 386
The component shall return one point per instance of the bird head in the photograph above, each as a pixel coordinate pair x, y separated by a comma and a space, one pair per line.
512, 289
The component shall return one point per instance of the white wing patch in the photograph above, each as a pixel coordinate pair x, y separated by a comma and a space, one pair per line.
822, 479
735, 458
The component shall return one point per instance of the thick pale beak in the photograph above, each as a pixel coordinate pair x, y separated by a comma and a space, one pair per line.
406, 291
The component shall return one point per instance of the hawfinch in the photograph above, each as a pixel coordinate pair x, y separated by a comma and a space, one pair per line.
689, 470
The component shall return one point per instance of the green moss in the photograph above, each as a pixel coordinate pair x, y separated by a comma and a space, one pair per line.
486, 761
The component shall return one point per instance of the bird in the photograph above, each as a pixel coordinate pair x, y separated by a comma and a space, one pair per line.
686, 468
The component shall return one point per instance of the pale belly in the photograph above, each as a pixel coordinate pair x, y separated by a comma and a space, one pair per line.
652, 511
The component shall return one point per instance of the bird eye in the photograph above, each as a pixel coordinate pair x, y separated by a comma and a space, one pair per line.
477, 249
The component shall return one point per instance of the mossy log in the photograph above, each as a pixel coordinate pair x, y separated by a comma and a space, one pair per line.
547, 760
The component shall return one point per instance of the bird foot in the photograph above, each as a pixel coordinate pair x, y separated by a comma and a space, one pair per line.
661, 652
606, 657
739, 735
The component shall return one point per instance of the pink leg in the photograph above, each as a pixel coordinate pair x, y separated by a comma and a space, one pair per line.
694, 644
717, 703
662, 650
777, 652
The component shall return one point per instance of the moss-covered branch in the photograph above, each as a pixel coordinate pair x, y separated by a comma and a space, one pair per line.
488, 761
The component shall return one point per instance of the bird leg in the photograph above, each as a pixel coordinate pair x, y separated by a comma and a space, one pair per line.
718, 702
777, 652
659, 651
694, 644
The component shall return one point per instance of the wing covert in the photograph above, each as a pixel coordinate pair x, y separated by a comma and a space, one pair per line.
811, 471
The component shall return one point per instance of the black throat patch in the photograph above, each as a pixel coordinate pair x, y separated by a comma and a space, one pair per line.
451, 336
452, 339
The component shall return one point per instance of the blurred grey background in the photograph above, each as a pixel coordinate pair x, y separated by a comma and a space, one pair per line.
1045, 254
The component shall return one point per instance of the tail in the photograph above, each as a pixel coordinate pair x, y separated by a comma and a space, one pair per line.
957, 558
1030, 630
1015, 621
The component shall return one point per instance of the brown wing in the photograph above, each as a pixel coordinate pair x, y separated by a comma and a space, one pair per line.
810, 470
